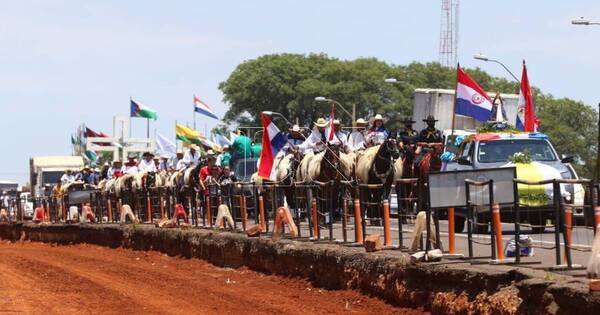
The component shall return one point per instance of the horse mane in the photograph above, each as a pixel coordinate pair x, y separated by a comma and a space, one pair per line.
283, 166
347, 161
314, 167
398, 169
363, 166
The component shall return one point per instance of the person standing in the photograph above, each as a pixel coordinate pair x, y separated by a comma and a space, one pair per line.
225, 157
241, 147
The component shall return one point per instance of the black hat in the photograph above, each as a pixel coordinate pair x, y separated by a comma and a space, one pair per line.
408, 120
430, 118
147, 154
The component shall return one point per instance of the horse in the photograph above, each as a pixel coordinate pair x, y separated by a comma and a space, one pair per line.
405, 192
429, 161
285, 175
377, 166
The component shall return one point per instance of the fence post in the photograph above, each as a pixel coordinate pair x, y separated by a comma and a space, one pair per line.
387, 235
161, 200
261, 209
358, 232
469, 219
344, 219
243, 212
517, 223
208, 211
493, 239
557, 197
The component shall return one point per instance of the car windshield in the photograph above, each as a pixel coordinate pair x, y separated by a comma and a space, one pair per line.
500, 150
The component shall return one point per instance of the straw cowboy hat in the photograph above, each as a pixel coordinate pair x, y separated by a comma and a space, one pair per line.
131, 155
195, 147
375, 118
321, 122
361, 121
295, 128
336, 122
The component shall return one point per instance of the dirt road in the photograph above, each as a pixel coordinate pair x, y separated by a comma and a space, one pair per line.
40, 278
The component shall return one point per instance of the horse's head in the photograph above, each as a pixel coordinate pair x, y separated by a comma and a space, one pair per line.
150, 180
391, 145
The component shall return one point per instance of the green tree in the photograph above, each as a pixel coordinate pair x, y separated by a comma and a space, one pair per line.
289, 83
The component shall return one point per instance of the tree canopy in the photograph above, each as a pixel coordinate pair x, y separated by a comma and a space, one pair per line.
289, 83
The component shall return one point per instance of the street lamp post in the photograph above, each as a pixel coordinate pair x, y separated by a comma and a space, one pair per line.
483, 57
582, 21
328, 100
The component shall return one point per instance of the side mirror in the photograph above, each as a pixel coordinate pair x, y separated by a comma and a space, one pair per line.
464, 161
567, 159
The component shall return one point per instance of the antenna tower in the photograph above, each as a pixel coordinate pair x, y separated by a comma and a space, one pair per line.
449, 33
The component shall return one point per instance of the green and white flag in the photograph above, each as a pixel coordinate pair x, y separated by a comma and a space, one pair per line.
139, 110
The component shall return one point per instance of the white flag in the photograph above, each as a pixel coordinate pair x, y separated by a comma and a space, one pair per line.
164, 146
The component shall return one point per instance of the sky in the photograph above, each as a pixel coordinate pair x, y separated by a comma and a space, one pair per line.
63, 63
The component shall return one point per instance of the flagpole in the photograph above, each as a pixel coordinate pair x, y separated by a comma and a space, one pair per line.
176, 145
148, 128
454, 105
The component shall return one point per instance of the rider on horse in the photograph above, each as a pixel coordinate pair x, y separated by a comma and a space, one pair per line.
316, 141
378, 133
430, 134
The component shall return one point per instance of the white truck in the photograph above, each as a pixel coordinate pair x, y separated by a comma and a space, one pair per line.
45, 171
440, 104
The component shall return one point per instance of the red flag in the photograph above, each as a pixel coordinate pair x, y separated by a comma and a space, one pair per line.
531, 121
331, 118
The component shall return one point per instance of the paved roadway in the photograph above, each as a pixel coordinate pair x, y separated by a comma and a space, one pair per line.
544, 256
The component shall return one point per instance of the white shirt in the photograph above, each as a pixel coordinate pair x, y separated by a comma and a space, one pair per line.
375, 137
342, 138
180, 165
147, 166
112, 170
66, 179
131, 169
162, 165
356, 140
314, 142
190, 159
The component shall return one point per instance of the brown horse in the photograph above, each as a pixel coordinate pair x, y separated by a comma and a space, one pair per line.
430, 161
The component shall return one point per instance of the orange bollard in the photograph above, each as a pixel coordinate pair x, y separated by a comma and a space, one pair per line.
261, 209
387, 235
109, 209
498, 230
148, 209
208, 212
597, 218
568, 225
451, 236
315, 218
243, 211
358, 232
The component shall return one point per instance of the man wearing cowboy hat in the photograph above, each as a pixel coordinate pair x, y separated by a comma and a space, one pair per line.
147, 163
177, 161
356, 139
430, 134
340, 135
163, 163
317, 139
131, 167
294, 139
377, 134
408, 135
192, 156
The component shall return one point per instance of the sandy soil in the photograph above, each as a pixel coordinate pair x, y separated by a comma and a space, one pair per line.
41, 278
